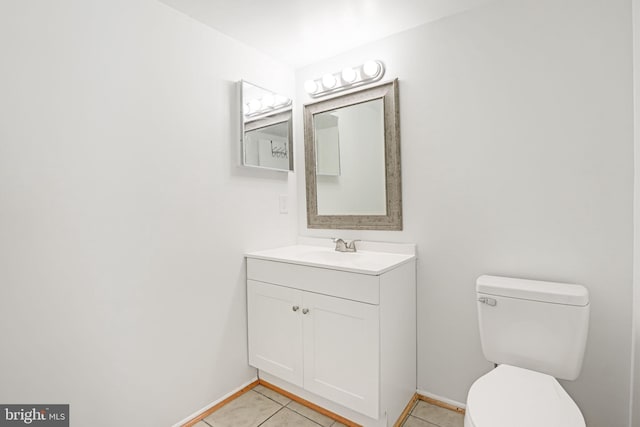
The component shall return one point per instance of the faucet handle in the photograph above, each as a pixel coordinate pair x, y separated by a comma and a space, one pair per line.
341, 245
339, 241
351, 244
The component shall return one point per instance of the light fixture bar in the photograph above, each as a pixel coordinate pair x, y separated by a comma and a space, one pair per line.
266, 105
369, 72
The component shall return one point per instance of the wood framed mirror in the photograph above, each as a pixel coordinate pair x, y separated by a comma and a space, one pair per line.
352, 160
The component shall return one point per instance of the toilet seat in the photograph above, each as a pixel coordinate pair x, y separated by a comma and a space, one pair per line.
510, 396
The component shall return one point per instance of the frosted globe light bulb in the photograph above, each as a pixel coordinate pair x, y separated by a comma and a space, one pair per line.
328, 81
254, 105
281, 100
310, 86
268, 101
371, 68
349, 75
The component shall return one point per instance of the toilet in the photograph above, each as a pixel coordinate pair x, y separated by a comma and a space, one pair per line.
534, 332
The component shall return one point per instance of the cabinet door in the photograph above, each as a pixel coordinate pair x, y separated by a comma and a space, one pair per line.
341, 351
275, 330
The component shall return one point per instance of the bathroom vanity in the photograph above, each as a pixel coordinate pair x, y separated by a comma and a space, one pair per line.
337, 329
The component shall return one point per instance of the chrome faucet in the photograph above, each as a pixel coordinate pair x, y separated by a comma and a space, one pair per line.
345, 246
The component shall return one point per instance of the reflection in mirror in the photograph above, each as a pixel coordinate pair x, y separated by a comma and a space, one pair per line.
267, 142
266, 128
327, 144
360, 188
352, 154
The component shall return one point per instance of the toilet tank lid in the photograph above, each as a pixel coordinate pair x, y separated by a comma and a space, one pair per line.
535, 290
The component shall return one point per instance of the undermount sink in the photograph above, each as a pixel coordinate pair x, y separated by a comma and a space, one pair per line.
364, 261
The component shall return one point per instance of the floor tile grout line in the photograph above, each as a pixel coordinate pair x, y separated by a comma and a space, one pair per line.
424, 419
297, 413
273, 400
421, 419
282, 406
304, 416
260, 394
272, 415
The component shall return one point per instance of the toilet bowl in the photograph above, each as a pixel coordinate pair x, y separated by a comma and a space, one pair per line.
535, 332
509, 396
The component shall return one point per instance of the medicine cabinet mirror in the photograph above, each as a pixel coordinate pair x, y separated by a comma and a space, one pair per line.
266, 130
352, 160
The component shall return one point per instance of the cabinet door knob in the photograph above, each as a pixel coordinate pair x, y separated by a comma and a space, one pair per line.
295, 308
305, 310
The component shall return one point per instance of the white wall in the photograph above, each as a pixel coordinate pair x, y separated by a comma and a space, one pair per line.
123, 218
517, 159
634, 412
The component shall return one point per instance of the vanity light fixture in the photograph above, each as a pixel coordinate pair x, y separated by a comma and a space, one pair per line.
349, 75
266, 105
329, 81
281, 101
253, 106
267, 102
371, 68
348, 78
310, 86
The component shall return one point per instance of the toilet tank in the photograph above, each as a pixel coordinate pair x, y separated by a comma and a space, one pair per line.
541, 326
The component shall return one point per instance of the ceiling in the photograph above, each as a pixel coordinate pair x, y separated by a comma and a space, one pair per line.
300, 32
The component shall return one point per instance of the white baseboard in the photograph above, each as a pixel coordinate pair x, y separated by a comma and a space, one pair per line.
212, 404
442, 399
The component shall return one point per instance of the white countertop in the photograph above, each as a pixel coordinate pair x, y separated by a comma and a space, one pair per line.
364, 261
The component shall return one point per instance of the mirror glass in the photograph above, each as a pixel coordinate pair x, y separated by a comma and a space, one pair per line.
266, 128
352, 153
353, 136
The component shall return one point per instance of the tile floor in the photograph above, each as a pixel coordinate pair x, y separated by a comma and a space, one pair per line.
264, 407
425, 414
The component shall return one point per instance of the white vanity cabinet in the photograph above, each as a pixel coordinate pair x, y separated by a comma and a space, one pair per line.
325, 344
341, 336
275, 330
